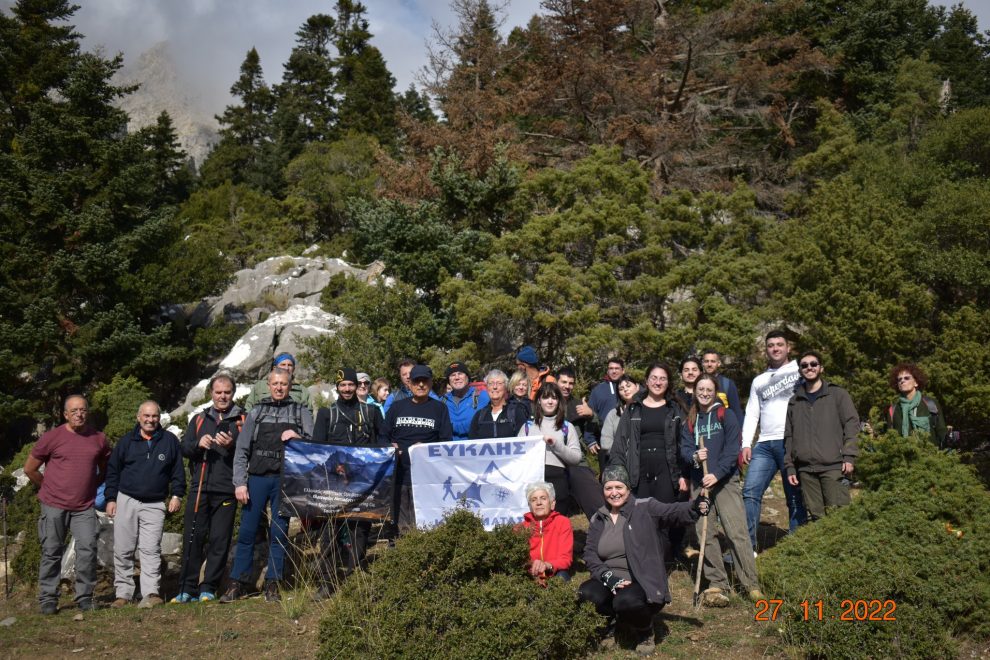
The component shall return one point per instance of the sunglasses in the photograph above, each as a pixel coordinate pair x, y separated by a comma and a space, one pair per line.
810, 365
904, 379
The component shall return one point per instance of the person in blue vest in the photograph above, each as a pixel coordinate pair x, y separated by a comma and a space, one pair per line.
258, 456
463, 400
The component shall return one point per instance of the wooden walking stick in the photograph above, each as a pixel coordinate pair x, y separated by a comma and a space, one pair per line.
704, 530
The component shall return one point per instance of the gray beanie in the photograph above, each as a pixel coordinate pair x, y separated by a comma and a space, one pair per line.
616, 473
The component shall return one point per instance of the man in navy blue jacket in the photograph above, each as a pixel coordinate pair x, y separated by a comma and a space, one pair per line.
145, 466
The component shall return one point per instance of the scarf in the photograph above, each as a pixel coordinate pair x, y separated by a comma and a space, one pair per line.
910, 421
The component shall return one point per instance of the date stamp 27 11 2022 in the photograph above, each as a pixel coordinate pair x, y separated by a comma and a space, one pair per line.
849, 609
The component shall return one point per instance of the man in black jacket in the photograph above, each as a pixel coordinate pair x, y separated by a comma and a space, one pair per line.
348, 421
209, 519
145, 465
821, 438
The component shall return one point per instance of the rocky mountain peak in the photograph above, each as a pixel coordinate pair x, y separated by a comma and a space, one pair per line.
160, 89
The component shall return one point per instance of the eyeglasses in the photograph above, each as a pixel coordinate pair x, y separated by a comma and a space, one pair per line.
658, 379
904, 379
364, 384
810, 365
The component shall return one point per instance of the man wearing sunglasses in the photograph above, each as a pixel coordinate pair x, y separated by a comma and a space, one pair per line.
820, 439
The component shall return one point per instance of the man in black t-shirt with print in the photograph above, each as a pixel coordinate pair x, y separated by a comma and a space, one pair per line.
407, 423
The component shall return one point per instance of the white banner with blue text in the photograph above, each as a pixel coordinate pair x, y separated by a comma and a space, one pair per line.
487, 476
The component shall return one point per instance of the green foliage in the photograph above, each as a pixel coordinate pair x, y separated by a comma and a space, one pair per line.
118, 401
416, 243
896, 541
85, 210
323, 179
384, 324
230, 227
456, 591
23, 511
215, 341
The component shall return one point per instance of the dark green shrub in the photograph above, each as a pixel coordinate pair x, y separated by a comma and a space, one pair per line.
23, 512
456, 592
899, 540
118, 402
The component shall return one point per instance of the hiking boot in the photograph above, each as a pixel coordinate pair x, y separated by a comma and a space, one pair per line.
647, 646
235, 591
182, 598
714, 597
271, 591
120, 602
86, 605
207, 596
49, 608
149, 601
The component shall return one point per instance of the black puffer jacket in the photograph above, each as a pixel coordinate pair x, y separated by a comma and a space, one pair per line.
625, 448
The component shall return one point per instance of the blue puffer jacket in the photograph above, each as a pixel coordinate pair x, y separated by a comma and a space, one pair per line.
462, 412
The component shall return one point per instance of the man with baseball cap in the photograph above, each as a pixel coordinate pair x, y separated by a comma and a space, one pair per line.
409, 422
297, 392
463, 400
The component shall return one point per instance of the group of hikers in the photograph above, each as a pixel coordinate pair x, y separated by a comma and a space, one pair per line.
667, 454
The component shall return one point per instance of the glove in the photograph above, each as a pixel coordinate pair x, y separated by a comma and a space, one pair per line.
701, 505
610, 580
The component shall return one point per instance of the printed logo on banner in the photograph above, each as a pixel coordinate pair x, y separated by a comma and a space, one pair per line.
474, 495
487, 476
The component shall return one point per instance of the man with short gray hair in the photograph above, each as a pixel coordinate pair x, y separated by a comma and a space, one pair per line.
75, 459
145, 466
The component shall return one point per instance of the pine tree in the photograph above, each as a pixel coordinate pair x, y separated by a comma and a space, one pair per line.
306, 104
364, 83
79, 220
245, 153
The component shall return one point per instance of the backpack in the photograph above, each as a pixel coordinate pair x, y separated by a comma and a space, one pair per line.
562, 428
932, 410
363, 427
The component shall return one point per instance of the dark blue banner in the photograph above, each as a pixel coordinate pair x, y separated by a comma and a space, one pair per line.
319, 481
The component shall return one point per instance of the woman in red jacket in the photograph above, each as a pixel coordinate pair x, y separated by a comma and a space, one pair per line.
551, 541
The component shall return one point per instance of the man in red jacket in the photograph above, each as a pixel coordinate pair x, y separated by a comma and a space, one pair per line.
551, 541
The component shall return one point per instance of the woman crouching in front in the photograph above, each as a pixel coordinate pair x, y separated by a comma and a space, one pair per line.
622, 552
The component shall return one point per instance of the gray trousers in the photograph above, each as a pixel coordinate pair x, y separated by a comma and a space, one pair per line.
137, 525
822, 491
727, 508
52, 527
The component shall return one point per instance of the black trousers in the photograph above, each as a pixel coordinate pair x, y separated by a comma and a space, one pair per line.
343, 542
585, 489
662, 490
211, 538
628, 605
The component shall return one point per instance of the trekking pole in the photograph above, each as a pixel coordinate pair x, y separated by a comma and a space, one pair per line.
704, 531
191, 537
6, 565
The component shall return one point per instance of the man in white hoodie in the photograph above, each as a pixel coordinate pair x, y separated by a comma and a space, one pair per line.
767, 408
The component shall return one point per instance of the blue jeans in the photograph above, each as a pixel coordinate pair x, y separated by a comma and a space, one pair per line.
767, 460
261, 490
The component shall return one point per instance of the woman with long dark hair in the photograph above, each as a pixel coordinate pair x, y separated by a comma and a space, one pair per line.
647, 445
563, 447
626, 388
